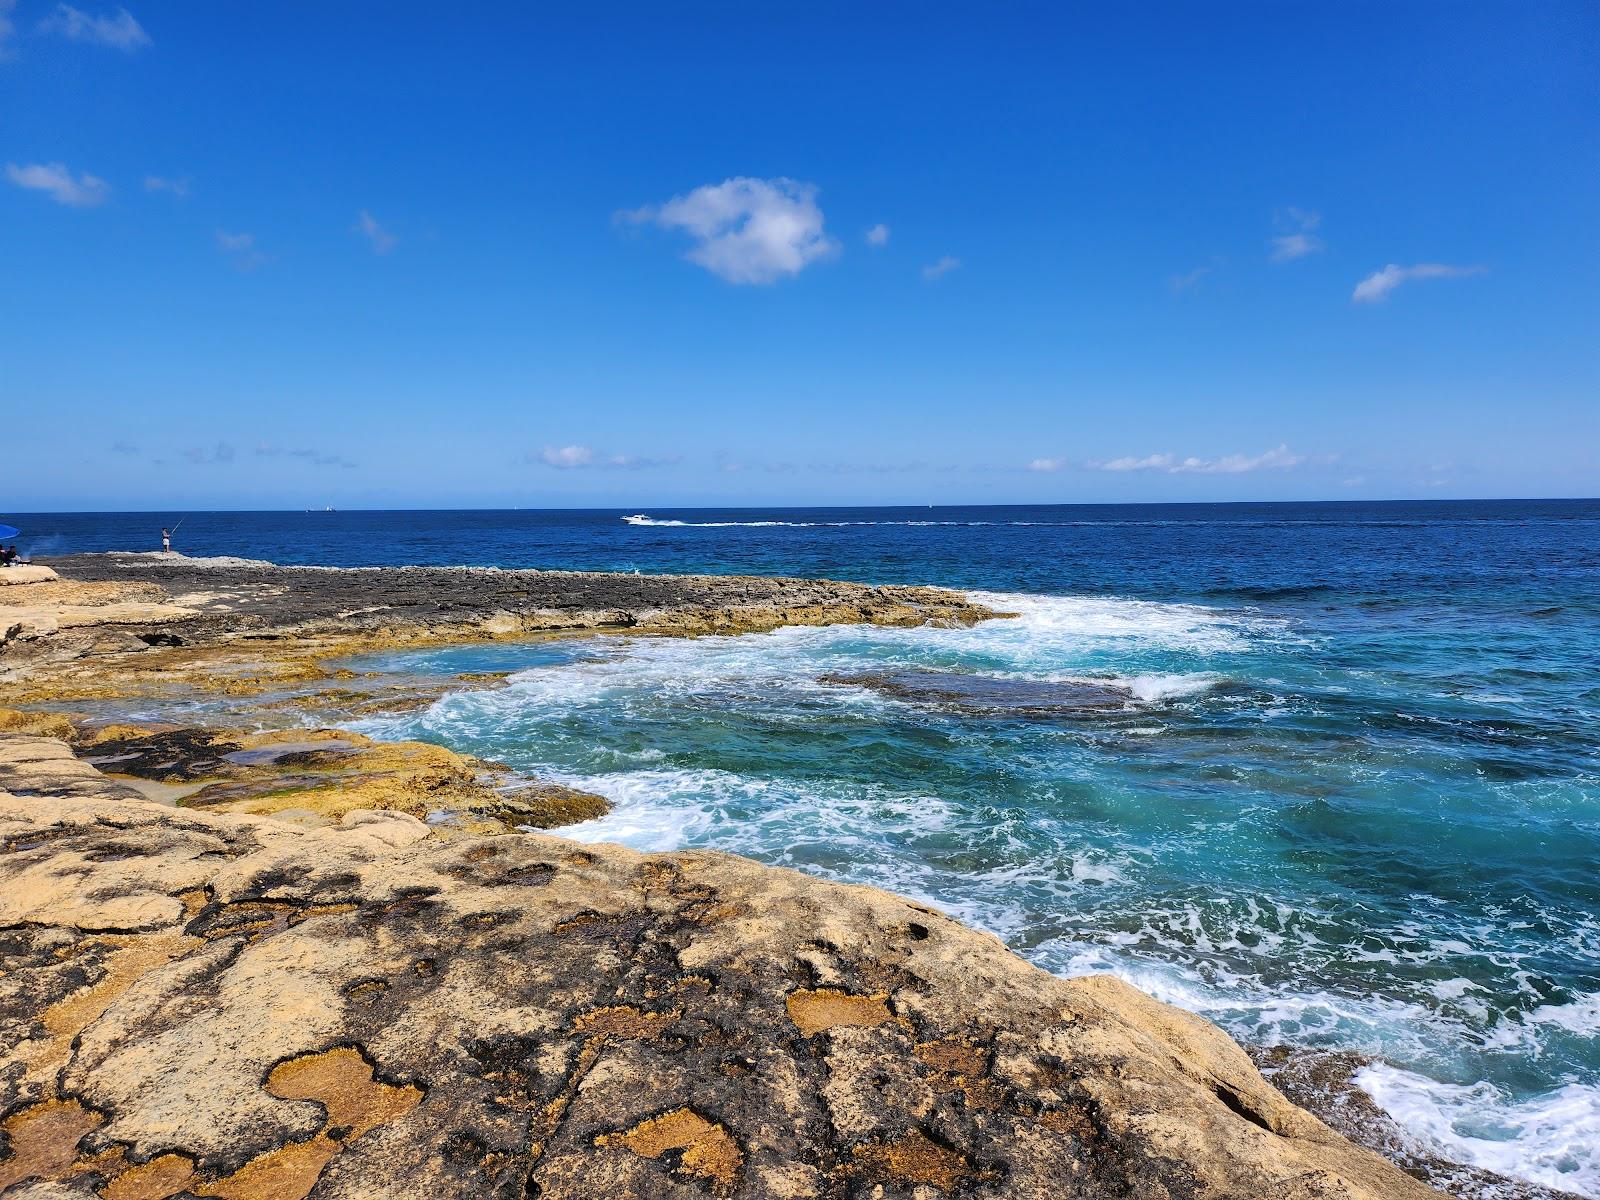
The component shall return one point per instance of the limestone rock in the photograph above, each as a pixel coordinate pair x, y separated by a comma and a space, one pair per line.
21, 573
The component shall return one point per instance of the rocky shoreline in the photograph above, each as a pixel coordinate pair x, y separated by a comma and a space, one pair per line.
252, 964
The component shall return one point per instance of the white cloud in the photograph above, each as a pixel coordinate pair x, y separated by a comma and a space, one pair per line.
1298, 240
566, 456
120, 32
1183, 283
943, 267
570, 457
1278, 458
746, 230
159, 183
56, 181
241, 248
1047, 464
7, 27
317, 458
1291, 246
222, 452
1155, 462
1379, 284
381, 239
878, 235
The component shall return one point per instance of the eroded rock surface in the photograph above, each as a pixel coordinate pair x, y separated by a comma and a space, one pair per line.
147, 624
314, 776
229, 1005
238, 596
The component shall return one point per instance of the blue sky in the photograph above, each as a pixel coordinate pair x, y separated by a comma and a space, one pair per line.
486, 255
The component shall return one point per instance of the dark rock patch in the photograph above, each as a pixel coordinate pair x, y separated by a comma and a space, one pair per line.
993, 695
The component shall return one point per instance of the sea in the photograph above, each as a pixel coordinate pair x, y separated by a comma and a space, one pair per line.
1327, 774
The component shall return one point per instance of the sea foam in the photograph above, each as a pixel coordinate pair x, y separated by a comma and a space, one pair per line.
1551, 1139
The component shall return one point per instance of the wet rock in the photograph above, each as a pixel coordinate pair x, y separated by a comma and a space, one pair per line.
165, 754
991, 694
544, 806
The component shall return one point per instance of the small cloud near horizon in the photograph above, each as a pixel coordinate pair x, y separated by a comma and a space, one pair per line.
1047, 464
241, 249
381, 240
1299, 240
222, 452
160, 183
118, 31
1278, 458
878, 235
568, 458
57, 182
941, 268
1184, 283
1379, 284
317, 458
746, 231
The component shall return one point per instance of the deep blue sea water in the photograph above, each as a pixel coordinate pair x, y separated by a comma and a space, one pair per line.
1353, 801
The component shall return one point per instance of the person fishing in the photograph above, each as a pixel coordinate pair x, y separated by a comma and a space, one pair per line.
166, 542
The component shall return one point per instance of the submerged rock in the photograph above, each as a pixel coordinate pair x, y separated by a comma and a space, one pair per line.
215, 1005
993, 694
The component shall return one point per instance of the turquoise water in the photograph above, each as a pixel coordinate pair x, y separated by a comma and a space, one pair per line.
1348, 797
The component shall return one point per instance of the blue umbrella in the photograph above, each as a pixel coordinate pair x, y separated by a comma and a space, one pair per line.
7, 531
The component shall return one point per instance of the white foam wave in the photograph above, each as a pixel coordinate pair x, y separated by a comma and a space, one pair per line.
669, 808
1051, 639
1153, 689
644, 519
1552, 1139
1067, 623
1580, 1017
644, 814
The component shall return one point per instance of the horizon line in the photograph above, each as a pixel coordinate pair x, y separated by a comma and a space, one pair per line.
93, 512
